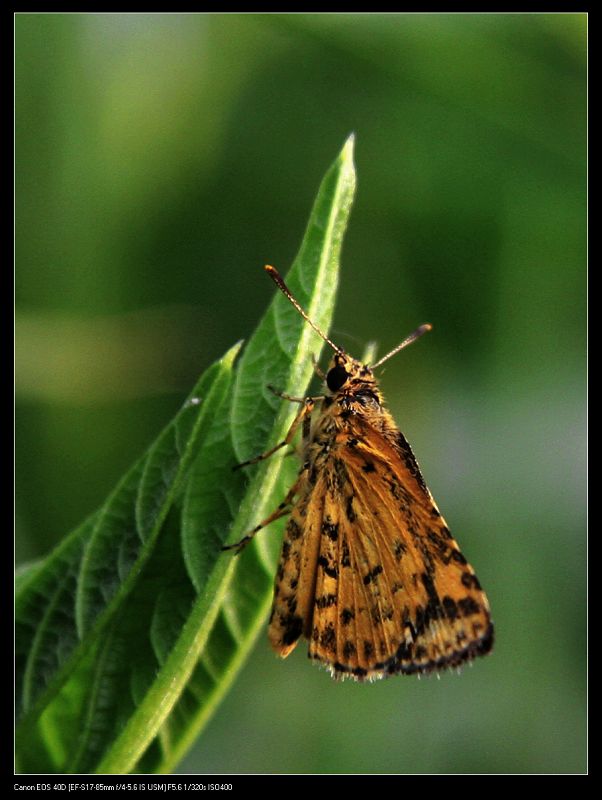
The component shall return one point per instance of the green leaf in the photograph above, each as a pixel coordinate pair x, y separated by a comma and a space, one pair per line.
129, 634
65, 605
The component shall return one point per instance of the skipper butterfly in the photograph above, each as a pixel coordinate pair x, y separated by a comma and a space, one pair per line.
369, 572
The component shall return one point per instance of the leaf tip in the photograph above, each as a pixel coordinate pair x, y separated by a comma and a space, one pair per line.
348, 147
229, 358
344, 163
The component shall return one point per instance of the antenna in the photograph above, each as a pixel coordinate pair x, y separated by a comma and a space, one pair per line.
277, 278
408, 340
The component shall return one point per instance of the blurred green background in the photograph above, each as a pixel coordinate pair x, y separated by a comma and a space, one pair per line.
161, 160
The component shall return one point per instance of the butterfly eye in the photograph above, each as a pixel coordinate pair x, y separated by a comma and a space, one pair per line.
336, 377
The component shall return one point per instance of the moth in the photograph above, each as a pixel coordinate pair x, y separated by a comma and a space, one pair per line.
369, 572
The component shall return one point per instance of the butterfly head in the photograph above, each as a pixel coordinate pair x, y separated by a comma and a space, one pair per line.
345, 372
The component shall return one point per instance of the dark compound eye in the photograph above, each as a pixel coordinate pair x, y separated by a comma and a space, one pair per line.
336, 377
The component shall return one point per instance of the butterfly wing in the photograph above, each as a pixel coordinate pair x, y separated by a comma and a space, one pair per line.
393, 592
294, 589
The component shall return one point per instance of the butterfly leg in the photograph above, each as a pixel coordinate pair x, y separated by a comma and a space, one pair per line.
285, 396
304, 412
290, 398
283, 509
302, 418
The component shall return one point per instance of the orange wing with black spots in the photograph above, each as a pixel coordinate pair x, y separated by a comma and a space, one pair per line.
294, 591
386, 588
